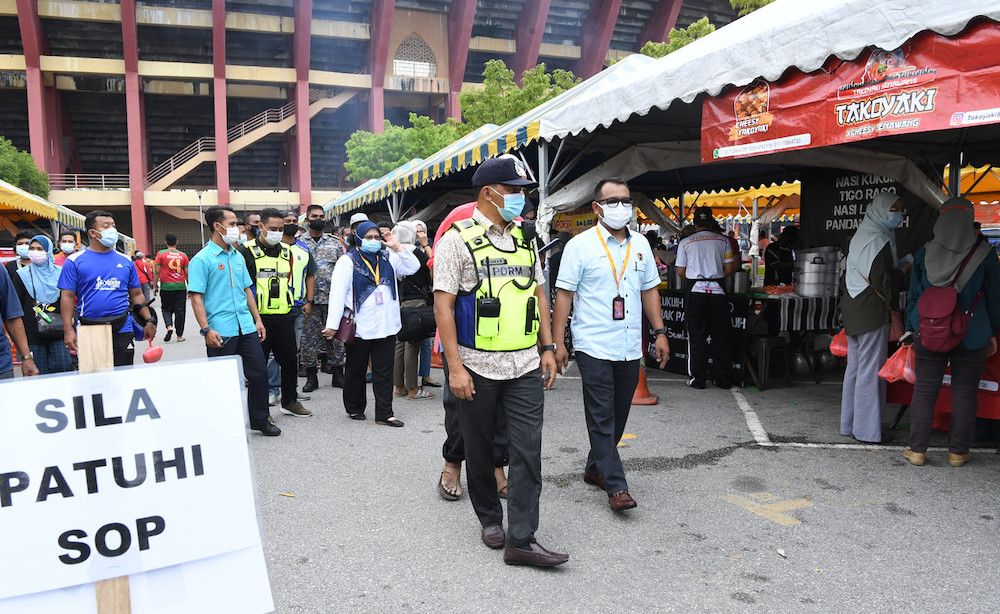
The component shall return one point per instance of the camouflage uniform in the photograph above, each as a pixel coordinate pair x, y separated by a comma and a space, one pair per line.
326, 250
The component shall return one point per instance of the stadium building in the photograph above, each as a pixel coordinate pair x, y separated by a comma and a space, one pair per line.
152, 108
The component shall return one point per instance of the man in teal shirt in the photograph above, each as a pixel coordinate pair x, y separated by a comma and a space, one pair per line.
226, 311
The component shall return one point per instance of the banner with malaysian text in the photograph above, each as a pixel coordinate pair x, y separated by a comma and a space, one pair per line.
932, 82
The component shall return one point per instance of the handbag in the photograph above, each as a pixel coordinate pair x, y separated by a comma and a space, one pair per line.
348, 328
48, 319
896, 327
417, 323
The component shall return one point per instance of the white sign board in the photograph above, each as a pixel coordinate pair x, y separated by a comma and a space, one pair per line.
124, 472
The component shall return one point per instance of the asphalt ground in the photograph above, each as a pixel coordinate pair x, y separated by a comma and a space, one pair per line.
747, 501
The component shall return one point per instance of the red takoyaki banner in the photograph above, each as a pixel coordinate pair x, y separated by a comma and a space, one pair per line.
930, 83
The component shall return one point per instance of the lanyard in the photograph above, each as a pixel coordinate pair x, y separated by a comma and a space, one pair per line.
367, 264
614, 269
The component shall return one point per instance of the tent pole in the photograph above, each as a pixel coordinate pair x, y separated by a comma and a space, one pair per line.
680, 211
754, 260
543, 183
955, 175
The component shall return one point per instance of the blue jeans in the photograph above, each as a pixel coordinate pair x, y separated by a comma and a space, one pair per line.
426, 349
51, 357
273, 371
249, 349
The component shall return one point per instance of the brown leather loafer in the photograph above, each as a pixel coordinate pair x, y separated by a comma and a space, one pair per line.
494, 536
537, 556
621, 500
916, 458
594, 478
957, 460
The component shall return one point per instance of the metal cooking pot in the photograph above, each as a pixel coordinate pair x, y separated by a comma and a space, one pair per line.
738, 282
674, 278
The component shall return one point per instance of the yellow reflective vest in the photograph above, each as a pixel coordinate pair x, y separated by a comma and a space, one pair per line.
501, 313
273, 283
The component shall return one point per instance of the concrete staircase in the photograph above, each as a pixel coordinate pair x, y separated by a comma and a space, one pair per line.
241, 136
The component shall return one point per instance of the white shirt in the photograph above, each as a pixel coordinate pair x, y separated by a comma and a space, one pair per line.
373, 321
703, 255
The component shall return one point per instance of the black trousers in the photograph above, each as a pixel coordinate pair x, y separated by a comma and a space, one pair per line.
966, 371
382, 353
709, 314
123, 348
608, 386
280, 339
453, 449
248, 348
173, 305
521, 400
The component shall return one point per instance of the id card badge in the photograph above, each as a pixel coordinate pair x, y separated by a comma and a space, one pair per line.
378, 297
618, 308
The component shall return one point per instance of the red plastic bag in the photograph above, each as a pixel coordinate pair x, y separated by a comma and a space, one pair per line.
838, 346
900, 366
153, 354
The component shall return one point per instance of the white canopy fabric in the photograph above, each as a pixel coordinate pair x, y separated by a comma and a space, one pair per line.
765, 43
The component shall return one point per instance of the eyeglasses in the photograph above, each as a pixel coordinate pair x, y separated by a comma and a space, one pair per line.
616, 202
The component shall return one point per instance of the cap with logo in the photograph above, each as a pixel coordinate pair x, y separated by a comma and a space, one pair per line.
703, 216
506, 170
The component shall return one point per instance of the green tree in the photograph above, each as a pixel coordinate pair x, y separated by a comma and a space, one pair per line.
18, 168
746, 7
370, 155
678, 38
501, 99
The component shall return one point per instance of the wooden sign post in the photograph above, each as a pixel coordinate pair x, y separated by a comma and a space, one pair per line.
96, 353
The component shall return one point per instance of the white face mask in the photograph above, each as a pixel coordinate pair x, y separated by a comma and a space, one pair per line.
68, 248
273, 237
231, 235
618, 217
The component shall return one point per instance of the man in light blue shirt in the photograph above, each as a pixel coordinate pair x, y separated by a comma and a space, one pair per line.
609, 277
226, 310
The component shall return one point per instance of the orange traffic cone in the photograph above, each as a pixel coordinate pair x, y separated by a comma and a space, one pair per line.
642, 396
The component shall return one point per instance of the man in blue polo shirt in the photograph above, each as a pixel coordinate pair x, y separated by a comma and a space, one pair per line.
227, 311
609, 276
99, 282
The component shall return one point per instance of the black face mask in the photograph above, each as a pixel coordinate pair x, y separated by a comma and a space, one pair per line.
318, 224
253, 231
291, 229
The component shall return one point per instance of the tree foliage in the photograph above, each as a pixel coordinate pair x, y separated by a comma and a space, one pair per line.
370, 155
745, 7
500, 100
678, 38
18, 168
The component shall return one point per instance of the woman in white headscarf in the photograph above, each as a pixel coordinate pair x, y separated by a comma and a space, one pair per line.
865, 306
978, 286
35, 285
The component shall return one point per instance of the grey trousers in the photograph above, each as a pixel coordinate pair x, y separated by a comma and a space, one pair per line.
864, 391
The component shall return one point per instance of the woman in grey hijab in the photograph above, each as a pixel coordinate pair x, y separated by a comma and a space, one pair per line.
864, 305
938, 264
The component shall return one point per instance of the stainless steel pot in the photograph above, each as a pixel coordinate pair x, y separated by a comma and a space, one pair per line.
738, 282
816, 271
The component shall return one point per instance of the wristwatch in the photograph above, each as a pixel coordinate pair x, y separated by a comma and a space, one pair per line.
659, 331
205, 331
28, 356
549, 348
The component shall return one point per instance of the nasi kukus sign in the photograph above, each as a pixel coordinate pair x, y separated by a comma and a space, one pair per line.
932, 82
834, 204
110, 474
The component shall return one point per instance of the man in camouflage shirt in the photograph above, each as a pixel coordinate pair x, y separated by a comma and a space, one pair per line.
325, 249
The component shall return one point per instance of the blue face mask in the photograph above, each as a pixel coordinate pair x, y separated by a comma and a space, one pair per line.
22, 250
370, 246
109, 236
894, 219
513, 205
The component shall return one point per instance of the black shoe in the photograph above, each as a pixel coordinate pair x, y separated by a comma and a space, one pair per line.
338, 377
696, 383
265, 428
167, 337
325, 365
723, 385
312, 383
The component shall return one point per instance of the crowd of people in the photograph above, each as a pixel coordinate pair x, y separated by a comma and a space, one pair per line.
366, 304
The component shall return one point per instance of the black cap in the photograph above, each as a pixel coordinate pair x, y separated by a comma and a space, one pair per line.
703, 216
506, 169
